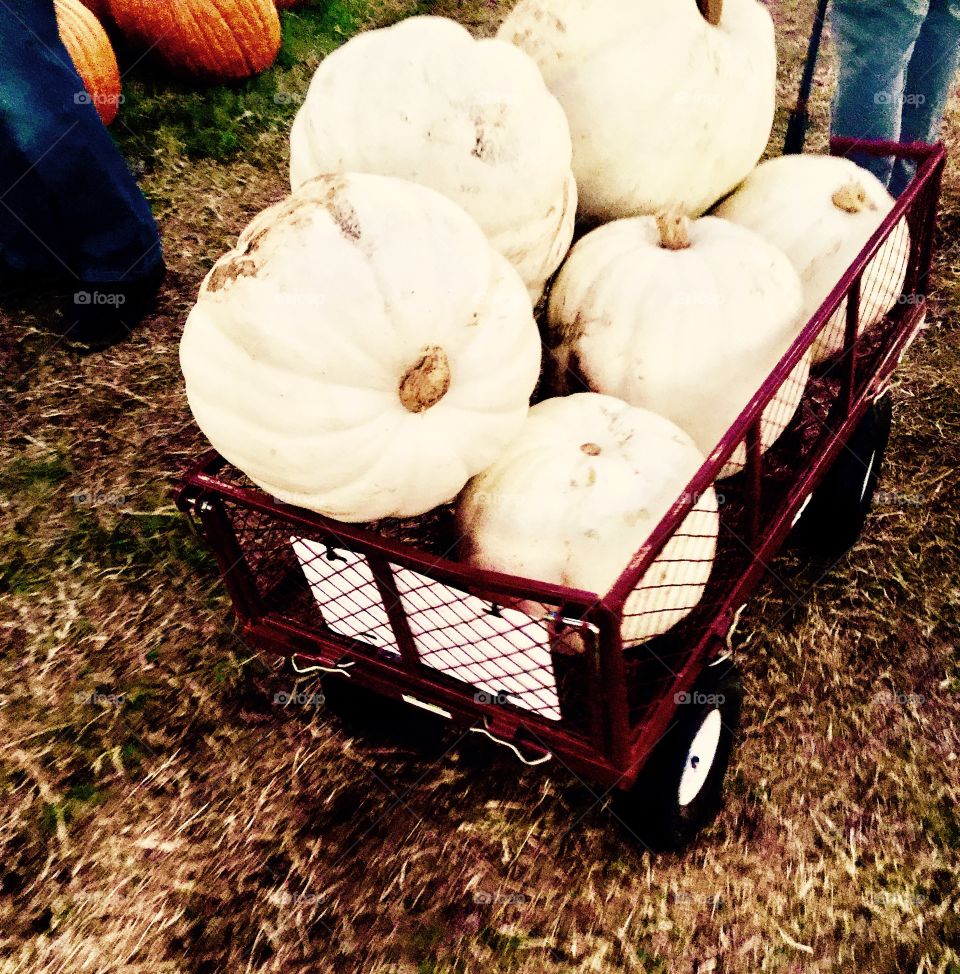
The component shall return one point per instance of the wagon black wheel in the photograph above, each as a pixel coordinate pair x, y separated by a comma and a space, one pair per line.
834, 518
681, 788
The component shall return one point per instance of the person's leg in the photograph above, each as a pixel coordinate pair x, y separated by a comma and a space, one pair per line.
874, 40
928, 82
69, 207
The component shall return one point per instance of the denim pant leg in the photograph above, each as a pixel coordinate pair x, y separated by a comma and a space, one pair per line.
929, 79
69, 206
874, 41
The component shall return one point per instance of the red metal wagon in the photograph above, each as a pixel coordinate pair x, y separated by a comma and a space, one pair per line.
388, 607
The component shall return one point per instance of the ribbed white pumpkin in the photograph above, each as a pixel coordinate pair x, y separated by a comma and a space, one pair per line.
665, 108
821, 211
424, 101
578, 492
363, 350
686, 318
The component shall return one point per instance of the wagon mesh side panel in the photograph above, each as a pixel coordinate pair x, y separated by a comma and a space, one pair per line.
793, 425
266, 554
653, 666
794, 434
508, 653
498, 649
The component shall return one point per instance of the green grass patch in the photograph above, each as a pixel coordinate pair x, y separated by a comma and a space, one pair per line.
426, 938
940, 822
128, 542
505, 946
36, 475
164, 116
131, 757
652, 963
19, 574
133, 541
452, 965
80, 800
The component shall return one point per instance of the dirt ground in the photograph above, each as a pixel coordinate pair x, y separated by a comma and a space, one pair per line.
161, 813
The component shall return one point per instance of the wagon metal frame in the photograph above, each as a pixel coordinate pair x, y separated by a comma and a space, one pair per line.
608, 705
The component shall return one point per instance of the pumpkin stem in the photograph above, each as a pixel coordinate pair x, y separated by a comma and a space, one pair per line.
427, 381
674, 227
591, 449
712, 10
852, 198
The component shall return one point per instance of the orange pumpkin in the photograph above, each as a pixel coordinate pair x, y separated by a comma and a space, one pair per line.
217, 40
89, 47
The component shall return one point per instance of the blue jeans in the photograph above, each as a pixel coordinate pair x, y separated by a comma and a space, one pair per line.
69, 207
897, 59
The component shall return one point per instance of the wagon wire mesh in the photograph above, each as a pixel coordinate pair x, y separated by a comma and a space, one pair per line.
893, 278
535, 658
321, 583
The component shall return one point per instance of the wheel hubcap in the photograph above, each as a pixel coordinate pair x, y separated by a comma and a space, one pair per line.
700, 758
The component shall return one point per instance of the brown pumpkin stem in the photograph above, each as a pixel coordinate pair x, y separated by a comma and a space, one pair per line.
674, 227
591, 449
712, 10
852, 198
427, 381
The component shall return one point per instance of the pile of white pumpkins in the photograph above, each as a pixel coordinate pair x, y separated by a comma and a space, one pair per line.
369, 348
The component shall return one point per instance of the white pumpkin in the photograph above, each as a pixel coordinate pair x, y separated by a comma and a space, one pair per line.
821, 211
665, 108
363, 350
578, 492
423, 100
686, 318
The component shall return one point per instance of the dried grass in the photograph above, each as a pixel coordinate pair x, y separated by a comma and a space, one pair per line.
197, 825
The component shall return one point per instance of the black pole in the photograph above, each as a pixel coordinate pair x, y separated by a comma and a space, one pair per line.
800, 116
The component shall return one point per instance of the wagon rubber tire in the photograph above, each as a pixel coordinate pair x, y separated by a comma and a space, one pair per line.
834, 519
680, 790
